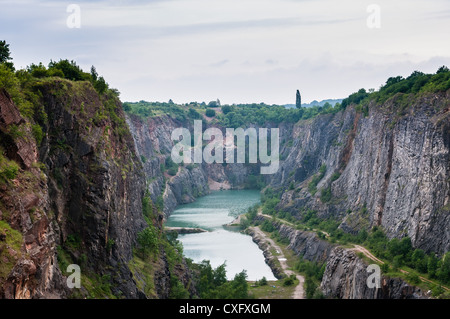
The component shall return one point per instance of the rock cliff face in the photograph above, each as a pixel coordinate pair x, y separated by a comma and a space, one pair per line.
386, 165
29, 267
346, 274
75, 199
152, 137
346, 277
387, 168
77, 196
95, 180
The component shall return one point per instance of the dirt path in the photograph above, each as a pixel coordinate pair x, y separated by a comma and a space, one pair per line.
298, 292
357, 248
369, 255
289, 223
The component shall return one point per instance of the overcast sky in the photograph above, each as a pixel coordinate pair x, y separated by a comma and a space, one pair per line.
238, 51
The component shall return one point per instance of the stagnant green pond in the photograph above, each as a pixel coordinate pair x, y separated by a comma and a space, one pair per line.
220, 244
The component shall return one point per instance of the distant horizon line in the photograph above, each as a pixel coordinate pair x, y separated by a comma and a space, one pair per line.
280, 104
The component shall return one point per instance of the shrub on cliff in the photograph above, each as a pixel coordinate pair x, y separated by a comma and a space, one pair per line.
148, 241
8, 169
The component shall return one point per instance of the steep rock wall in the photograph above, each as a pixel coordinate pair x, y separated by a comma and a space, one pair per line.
29, 268
346, 275
95, 180
152, 138
394, 163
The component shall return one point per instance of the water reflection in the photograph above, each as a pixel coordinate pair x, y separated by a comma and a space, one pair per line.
219, 245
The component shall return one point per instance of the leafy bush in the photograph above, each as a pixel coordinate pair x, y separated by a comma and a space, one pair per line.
171, 166
269, 206
193, 114
172, 171
325, 195
289, 281
70, 70
37, 133
8, 169
210, 113
261, 282
148, 240
38, 71
147, 206
267, 226
212, 283
335, 176
227, 109
417, 82
313, 272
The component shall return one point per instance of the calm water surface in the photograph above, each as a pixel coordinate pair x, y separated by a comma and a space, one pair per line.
220, 245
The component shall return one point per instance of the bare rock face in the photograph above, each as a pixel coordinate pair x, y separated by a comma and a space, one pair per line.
153, 141
386, 169
34, 272
85, 207
9, 114
346, 274
21, 149
346, 277
95, 183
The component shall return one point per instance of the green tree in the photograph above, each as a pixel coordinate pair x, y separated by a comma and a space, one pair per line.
240, 286
148, 240
298, 100
177, 290
193, 114
443, 272
443, 69
220, 275
311, 287
94, 73
5, 55
210, 113
419, 260
100, 85
227, 109
70, 69
37, 71
432, 266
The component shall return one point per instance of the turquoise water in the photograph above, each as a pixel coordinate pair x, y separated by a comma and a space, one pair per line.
220, 245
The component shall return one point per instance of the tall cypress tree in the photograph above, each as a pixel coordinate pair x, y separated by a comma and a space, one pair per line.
298, 101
